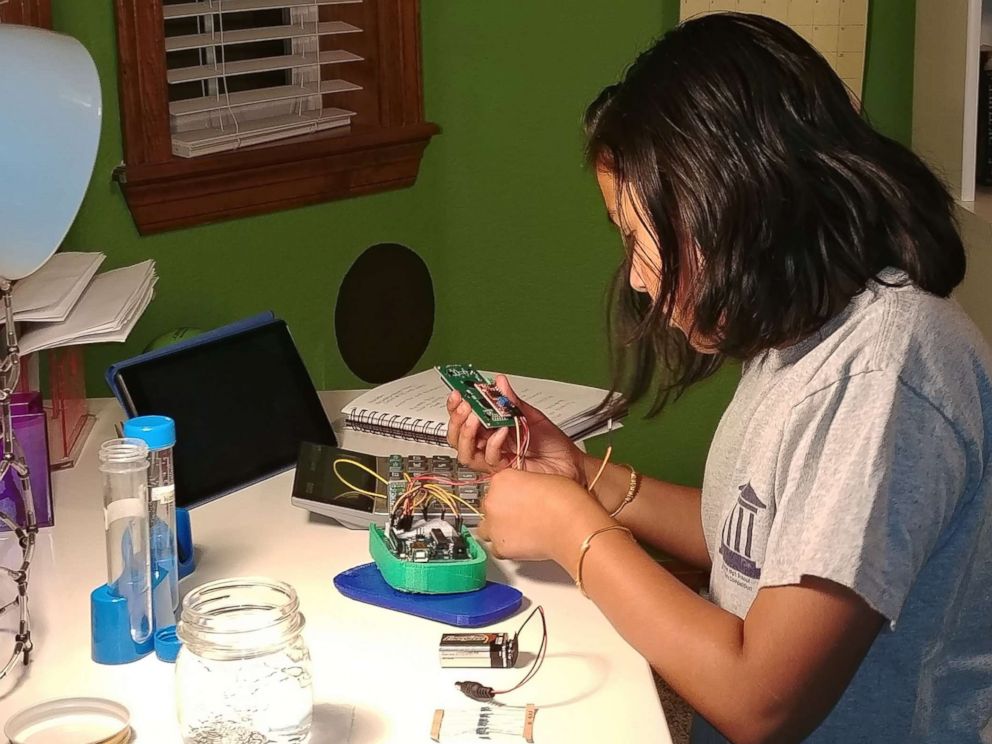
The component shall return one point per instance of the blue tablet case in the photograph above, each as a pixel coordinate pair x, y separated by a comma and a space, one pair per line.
490, 604
245, 324
232, 329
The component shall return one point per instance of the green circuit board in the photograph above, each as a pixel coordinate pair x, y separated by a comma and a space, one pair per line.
493, 408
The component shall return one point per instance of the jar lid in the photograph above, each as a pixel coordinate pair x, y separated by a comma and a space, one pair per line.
167, 644
76, 720
157, 431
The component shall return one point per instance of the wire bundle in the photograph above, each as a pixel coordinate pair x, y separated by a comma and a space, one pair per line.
427, 488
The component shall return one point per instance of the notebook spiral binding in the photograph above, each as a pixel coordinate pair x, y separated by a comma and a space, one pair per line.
426, 431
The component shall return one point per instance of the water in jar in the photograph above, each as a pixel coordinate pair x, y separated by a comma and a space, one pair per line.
243, 674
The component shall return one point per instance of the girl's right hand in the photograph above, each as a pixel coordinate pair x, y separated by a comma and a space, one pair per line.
491, 450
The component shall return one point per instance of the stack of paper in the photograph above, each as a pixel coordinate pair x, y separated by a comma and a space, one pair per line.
107, 311
52, 291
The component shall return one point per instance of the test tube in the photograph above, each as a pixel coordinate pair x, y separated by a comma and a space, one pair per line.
124, 464
159, 433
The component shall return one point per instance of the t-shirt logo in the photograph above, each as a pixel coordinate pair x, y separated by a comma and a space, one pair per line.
737, 537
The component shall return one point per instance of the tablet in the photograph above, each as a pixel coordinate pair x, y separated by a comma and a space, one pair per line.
242, 404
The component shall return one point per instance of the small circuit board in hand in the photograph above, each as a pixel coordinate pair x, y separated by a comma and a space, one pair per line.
492, 407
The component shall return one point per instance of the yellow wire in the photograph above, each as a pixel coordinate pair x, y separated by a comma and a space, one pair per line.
451, 500
415, 495
459, 499
433, 489
466, 504
444, 497
353, 487
361, 466
606, 459
437, 493
516, 425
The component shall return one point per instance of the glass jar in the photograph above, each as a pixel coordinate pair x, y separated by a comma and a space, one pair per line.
243, 673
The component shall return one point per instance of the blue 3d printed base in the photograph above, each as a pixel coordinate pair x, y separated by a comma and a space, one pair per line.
110, 635
487, 605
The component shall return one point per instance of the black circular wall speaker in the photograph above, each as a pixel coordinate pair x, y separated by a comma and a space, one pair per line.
384, 315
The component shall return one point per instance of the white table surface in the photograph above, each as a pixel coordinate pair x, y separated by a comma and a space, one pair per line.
593, 686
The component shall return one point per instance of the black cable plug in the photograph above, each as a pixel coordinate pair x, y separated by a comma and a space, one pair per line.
476, 691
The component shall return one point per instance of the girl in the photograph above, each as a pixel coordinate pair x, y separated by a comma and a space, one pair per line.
845, 510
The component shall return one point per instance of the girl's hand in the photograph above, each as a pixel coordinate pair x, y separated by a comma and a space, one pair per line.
492, 450
537, 516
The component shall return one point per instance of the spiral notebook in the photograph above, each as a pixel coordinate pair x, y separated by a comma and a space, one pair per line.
414, 407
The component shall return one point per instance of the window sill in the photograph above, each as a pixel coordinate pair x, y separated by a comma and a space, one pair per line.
307, 170
982, 206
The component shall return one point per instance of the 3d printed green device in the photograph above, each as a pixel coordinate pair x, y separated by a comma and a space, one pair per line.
430, 572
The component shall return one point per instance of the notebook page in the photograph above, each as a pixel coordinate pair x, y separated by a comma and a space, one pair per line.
423, 396
418, 396
562, 402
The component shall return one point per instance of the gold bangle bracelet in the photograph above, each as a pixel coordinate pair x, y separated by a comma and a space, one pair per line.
632, 489
585, 549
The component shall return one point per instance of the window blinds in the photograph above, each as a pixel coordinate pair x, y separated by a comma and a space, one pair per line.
244, 72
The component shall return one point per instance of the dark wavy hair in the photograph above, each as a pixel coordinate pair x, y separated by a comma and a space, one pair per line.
772, 200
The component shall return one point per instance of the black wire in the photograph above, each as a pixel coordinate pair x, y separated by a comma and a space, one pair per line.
539, 659
524, 624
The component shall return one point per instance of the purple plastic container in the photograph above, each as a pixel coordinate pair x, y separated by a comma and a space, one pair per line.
28, 417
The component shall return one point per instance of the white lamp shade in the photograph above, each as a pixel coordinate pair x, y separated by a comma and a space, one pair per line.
49, 134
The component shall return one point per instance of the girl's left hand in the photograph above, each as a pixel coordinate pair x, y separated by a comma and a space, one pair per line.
537, 516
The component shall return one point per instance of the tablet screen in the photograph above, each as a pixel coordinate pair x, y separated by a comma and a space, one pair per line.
242, 405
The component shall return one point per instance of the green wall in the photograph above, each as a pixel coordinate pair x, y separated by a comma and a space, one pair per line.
888, 91
503, 212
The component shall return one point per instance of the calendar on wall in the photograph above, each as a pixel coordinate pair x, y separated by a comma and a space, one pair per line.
837, 28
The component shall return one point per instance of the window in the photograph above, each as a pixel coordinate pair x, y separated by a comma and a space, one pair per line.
242, 73
237, 107
26, 12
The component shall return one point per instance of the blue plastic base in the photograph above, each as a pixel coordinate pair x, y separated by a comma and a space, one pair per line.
184, 544
167, 644
110, 635
487, 605
110, 630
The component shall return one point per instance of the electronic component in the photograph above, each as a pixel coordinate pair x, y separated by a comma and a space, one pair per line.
493, 408
488, 722
492, 650
483, 693
459, 548
334, 482
420, 506
441, 540
440, 574
425, 540
419, 550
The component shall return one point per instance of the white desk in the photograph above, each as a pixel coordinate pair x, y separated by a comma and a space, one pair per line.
593, 686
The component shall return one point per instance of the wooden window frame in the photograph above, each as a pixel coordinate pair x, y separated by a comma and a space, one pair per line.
27, 12
165, 192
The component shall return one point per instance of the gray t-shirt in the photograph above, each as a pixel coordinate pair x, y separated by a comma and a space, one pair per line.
862, 455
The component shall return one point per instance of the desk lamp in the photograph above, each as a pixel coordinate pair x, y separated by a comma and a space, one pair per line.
49, 132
